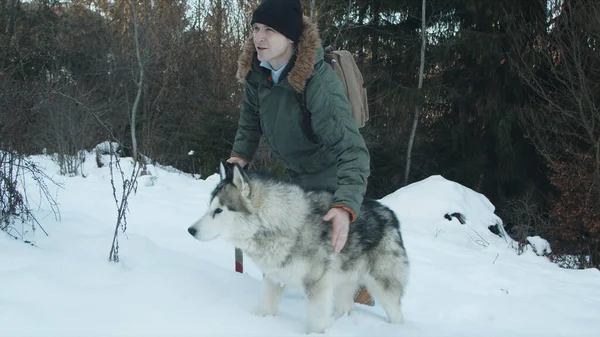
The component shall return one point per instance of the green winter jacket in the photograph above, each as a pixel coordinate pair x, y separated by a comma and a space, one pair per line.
339, 160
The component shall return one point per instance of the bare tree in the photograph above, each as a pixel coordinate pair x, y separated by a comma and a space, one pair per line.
8, 16
128, 185
561, 66
14, 196
420, 87
139, 82
556, 57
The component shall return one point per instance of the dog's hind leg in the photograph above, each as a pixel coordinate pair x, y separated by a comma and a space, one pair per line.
271, 296
388, 292
344, 297
320, 304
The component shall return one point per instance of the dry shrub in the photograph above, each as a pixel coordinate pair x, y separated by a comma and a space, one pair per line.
574, 232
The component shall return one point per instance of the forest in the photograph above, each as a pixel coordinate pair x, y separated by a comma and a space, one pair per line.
500, 96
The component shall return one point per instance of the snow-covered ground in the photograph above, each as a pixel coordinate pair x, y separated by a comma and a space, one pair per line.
464, 280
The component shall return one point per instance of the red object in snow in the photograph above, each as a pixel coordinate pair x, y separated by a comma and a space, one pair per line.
239, 260
50, 99
2, 75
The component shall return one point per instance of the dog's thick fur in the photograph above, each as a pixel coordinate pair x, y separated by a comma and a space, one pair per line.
279, 226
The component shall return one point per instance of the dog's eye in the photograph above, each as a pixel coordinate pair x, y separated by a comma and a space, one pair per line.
217, 211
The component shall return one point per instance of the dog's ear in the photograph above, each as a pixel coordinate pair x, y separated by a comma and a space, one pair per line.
226, 170
222, 170
240, 180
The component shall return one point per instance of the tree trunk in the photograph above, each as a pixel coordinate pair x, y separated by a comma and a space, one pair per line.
7, 26
219, 54
596, 178
417, 107
139, 83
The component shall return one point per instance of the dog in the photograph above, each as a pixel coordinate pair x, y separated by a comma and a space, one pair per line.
279, 225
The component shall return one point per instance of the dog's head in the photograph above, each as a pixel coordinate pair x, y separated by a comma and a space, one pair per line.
228, 208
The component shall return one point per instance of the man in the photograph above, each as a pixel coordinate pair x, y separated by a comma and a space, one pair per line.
277, 61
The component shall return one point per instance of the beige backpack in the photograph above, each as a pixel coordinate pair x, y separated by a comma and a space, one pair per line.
347, 70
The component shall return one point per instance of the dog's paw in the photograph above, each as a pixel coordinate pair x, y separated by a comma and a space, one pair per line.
316, 330
262, 311
397, 319
318, 326
340, 313
343, 308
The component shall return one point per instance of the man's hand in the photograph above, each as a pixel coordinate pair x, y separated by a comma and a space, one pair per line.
341, 223
237, 160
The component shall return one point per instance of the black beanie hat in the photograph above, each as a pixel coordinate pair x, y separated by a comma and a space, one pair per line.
285, 16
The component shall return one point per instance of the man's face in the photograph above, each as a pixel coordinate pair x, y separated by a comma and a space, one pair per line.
270, 45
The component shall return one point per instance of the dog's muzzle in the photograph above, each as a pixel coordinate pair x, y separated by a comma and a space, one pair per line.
192, 231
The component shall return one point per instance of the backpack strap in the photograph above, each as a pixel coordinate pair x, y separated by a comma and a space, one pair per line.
306, 116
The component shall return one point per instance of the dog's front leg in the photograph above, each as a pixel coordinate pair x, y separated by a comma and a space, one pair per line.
271, 296
320, 306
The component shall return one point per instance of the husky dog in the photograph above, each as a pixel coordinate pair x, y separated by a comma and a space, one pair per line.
279, 226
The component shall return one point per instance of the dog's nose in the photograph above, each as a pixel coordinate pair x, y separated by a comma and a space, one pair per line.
192, 231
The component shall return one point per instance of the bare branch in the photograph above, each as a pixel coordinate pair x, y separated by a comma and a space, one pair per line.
420, 87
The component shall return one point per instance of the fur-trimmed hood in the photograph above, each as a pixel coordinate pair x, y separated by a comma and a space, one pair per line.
306, 57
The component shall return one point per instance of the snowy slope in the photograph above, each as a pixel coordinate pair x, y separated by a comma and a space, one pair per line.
464, 281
